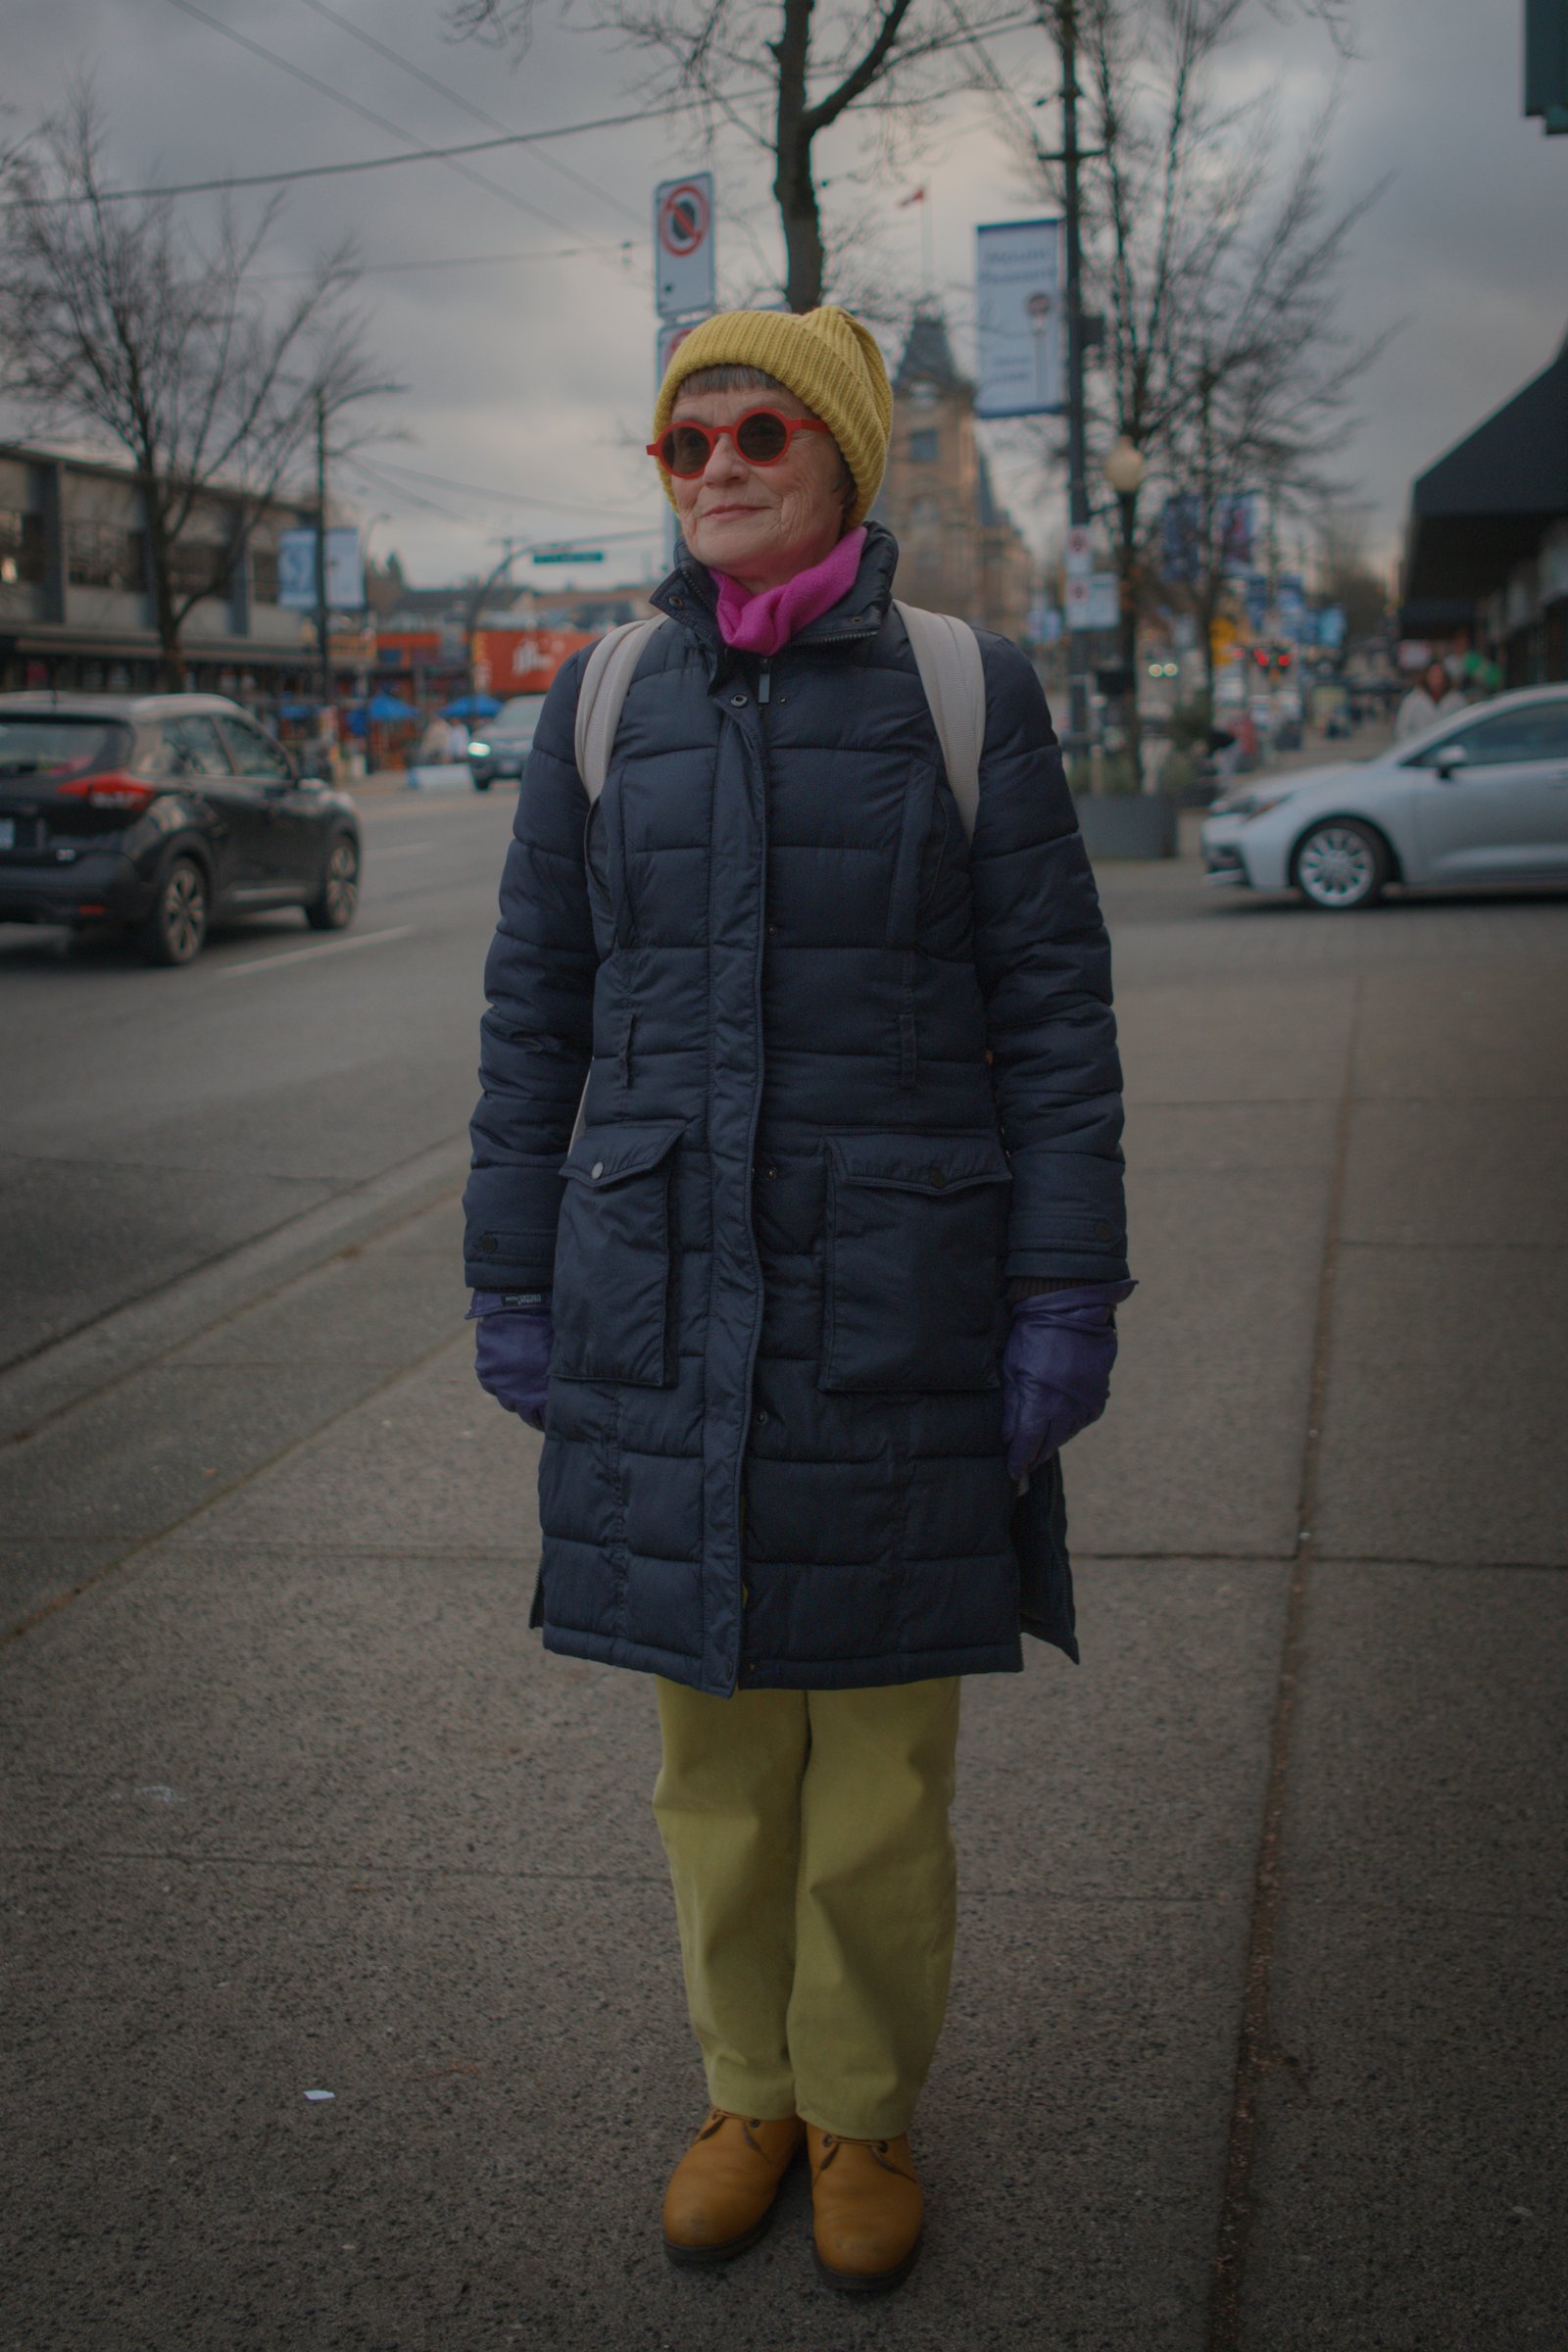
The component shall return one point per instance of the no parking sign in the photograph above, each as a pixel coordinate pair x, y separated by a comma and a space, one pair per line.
683, 245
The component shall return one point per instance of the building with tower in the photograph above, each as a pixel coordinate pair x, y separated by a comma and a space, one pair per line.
959, 551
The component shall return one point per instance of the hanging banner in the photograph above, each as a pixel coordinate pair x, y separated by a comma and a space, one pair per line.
1020, 318
296, 570
1236, 529
683, 245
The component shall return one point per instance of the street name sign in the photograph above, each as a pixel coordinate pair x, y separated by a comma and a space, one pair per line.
683, 245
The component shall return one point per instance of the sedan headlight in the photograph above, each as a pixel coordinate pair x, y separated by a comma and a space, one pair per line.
1250, 804
478, 751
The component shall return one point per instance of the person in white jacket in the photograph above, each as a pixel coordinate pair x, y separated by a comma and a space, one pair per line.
1435, 696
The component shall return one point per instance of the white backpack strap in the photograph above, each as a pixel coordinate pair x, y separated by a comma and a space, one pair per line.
606, 676
946, 653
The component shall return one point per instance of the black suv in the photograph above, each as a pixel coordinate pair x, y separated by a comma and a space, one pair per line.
163, 814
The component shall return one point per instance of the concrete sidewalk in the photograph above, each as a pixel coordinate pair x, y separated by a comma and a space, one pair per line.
1256, 2033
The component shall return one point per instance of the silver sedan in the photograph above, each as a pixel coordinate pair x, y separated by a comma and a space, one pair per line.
1482, 797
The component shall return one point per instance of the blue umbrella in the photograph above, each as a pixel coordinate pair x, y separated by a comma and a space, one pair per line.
385, 710
472, 706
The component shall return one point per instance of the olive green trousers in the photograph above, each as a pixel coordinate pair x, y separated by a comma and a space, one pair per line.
815, 1891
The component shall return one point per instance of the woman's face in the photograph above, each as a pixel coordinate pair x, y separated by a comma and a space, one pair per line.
759, 523
1436, 681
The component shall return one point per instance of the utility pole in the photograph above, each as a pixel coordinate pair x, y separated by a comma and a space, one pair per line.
510, 549
323, 646
1065, 14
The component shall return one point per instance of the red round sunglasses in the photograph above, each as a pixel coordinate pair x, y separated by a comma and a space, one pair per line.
762, 437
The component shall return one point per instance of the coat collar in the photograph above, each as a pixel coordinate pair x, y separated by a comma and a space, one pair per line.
689, 596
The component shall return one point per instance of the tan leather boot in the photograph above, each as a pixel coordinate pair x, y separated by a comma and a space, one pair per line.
867, 2210
721, 2195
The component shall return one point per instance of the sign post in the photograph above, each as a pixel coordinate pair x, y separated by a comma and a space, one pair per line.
683, 245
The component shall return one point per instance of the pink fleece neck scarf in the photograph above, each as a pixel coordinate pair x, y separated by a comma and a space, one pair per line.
764, 620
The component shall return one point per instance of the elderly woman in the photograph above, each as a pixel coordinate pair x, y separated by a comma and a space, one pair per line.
824, 1272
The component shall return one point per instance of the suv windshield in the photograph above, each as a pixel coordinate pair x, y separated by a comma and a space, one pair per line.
55, 746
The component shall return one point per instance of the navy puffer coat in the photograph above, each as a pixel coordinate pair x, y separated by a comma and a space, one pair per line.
848, 1077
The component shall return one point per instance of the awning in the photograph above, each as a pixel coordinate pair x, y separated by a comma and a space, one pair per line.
1485, 506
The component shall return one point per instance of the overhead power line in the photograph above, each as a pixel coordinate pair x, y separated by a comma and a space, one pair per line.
457, 97
369, 162
313, 82
453, 261
443, 481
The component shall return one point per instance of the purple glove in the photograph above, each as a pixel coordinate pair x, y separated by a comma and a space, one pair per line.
1055, 1369
511, 1350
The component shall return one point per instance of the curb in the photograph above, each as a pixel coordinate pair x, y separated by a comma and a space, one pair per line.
65, 1372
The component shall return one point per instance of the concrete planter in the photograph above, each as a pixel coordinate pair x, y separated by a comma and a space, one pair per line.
1127, 824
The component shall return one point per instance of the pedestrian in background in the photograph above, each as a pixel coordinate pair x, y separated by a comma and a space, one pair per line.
830, 1267
1433, 696
436, 742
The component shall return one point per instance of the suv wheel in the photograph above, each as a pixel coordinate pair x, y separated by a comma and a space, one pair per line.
1340, 866
336, 903
176, 929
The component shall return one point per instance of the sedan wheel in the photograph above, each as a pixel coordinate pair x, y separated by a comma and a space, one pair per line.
1341, 865
176, 927
334, 907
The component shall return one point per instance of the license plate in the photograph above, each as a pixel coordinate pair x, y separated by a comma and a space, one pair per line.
8, 832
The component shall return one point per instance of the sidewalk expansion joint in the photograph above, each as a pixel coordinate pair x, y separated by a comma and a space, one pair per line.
1259, 2053
151, 1541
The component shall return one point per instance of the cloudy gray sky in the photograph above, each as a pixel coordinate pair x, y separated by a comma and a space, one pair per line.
520, 317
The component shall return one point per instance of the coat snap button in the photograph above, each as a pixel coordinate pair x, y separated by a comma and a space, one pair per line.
488, 1241
598, 1170
761, 1420
1102, 1231
938, 1174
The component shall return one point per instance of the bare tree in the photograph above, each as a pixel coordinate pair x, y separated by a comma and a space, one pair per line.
115, 321
1345, 575
1213, 256
781, 72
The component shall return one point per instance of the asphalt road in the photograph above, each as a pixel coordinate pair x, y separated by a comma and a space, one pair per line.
156, 1120
1255, 2041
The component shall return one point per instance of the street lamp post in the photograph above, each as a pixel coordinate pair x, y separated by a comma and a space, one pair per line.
1124, 468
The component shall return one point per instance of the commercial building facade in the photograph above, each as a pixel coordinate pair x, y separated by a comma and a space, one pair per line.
75, 607
1487, 548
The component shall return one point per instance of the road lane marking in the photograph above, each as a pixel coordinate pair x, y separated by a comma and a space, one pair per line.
329, 947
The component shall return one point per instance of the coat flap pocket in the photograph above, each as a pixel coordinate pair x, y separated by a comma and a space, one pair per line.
920, 1163
604, 1155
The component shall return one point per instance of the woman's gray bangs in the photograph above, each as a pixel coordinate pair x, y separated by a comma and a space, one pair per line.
731, 378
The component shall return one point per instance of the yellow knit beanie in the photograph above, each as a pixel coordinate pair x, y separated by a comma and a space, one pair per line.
827, 359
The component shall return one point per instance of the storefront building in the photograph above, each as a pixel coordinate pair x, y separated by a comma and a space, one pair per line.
1487, 549
75, 610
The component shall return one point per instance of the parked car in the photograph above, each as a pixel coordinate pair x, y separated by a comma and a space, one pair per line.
160, 815
503, 744
1480, 798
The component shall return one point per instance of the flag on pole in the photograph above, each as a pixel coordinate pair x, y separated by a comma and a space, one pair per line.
918, 197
